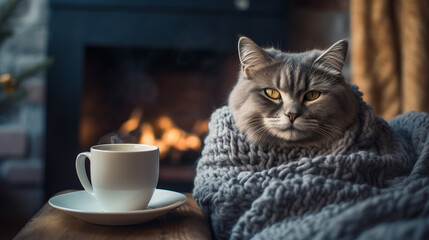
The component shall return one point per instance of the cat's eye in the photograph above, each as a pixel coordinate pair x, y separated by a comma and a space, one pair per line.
272, 93
312, 95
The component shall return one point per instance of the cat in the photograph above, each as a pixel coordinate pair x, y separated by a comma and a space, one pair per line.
298, 99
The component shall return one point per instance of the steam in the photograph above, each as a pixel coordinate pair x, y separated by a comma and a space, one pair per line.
117, 138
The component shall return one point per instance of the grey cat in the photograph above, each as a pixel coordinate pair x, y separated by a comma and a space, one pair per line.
299, 99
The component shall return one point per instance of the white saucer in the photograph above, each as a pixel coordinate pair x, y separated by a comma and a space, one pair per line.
85, 207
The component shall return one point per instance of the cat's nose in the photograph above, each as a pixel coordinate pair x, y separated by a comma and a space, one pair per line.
292, 116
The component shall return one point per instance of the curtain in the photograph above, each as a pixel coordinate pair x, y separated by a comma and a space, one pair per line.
390, 54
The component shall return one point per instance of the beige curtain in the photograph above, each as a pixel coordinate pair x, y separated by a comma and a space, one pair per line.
390, 54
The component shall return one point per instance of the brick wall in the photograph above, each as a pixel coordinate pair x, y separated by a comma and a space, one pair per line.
22, 128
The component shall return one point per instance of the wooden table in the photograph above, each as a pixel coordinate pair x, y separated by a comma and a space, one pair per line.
185, 222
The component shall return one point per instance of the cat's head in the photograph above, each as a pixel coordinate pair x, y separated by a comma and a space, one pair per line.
292, 98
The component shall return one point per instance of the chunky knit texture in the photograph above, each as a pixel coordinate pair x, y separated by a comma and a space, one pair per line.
371, 184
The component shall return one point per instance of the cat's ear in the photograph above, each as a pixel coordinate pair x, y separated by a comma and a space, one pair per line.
252, 57
333, 59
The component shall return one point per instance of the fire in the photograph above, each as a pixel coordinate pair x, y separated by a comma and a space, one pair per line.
164, 133
133, 122
165, 123
201, 127
149, 136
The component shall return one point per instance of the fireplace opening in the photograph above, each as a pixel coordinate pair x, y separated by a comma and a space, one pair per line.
162, 97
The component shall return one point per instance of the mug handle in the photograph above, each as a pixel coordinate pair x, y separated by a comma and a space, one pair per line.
81, 171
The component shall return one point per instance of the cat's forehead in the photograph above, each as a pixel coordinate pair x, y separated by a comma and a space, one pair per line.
293, 70
299, 59
294, 63
289, 72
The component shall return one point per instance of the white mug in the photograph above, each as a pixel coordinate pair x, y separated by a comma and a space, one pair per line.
123, 176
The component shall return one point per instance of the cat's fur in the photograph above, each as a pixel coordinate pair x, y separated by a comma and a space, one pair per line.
265, 121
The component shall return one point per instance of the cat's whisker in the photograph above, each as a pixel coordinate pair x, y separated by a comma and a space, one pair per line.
262, 133
258, 130
265, 136
324, 132
325, 135
330, 132
333, 128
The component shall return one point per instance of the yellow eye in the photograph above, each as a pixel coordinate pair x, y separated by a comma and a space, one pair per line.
272, 93
312, 95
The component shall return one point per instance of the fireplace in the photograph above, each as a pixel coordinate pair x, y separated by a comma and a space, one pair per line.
162, 97
149, 72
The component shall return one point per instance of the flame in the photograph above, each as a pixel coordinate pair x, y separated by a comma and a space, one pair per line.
169, 136
201, 127
148, 135
165, 123
193, 142
133, 122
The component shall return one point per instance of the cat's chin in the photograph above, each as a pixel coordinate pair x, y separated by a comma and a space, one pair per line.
302, 142
293, 138
291, 135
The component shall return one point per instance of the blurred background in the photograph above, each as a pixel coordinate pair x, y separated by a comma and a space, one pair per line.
75, 73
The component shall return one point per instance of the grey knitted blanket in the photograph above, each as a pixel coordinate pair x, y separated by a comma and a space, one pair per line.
373, 184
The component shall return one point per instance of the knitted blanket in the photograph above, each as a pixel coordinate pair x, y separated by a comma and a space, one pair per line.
372, 184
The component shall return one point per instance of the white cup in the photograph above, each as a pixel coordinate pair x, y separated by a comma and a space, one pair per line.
123, 176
